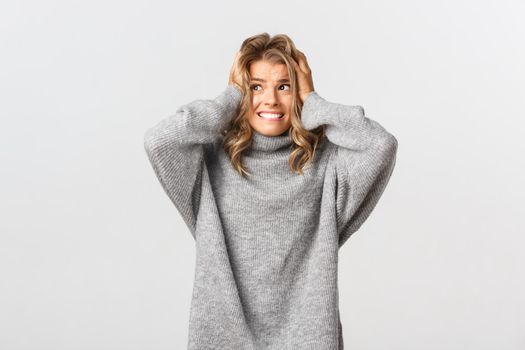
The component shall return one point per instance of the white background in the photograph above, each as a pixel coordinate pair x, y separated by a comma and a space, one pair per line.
93, 255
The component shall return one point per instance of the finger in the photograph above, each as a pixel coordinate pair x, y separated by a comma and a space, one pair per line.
304, 65
302, 56
302, 61
298, 68
295, 64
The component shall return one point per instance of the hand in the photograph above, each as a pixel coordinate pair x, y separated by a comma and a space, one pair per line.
304, 76
235, 76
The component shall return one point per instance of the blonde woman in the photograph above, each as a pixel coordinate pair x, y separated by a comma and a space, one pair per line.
271, 180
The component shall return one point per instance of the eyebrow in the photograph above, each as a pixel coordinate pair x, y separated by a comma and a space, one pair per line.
264, 81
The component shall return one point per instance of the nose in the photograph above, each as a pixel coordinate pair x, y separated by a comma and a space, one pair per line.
271, 99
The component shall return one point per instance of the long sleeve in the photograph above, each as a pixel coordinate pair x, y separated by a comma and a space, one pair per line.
365, 158
175, 148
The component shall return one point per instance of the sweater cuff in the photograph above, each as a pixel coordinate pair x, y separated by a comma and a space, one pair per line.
314, 108
317, 111
230, 98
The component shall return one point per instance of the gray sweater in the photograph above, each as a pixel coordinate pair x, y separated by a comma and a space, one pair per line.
267, 245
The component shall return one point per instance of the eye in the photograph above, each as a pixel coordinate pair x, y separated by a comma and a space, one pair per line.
258, 85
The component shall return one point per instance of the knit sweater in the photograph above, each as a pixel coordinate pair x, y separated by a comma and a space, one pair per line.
267, 245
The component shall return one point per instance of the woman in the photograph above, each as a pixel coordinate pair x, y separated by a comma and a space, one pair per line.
271, 180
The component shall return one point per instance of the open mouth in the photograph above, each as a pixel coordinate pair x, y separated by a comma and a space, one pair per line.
270, 116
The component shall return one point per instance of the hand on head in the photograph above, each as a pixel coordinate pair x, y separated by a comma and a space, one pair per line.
235, 76
304, 76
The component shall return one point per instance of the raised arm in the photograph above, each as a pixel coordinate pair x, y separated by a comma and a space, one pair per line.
175, 148
365, 159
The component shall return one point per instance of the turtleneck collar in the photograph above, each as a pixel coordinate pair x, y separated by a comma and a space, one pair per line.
263, 143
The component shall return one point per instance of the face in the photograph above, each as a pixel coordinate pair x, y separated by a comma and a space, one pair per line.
272, 98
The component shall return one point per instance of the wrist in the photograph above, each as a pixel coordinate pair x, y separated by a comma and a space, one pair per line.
314, 111
235, 85
305, 95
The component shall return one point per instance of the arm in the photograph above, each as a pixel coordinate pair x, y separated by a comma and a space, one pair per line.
174, 147
365, 158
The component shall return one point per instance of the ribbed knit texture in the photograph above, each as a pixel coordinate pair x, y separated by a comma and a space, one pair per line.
267, 245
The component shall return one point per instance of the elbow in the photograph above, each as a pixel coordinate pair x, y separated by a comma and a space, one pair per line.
150, 142
147, 141
391, 142
389, 146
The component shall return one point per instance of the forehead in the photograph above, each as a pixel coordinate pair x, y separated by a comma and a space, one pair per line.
268, 71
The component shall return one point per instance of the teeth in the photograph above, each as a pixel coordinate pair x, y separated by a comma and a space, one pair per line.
270, 115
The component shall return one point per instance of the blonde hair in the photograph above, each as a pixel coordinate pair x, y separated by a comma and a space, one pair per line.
278, 49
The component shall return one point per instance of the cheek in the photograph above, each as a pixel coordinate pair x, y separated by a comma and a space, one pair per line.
256, 100
289, 107
256, 105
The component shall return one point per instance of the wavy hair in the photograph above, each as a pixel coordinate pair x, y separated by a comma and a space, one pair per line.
278, 49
